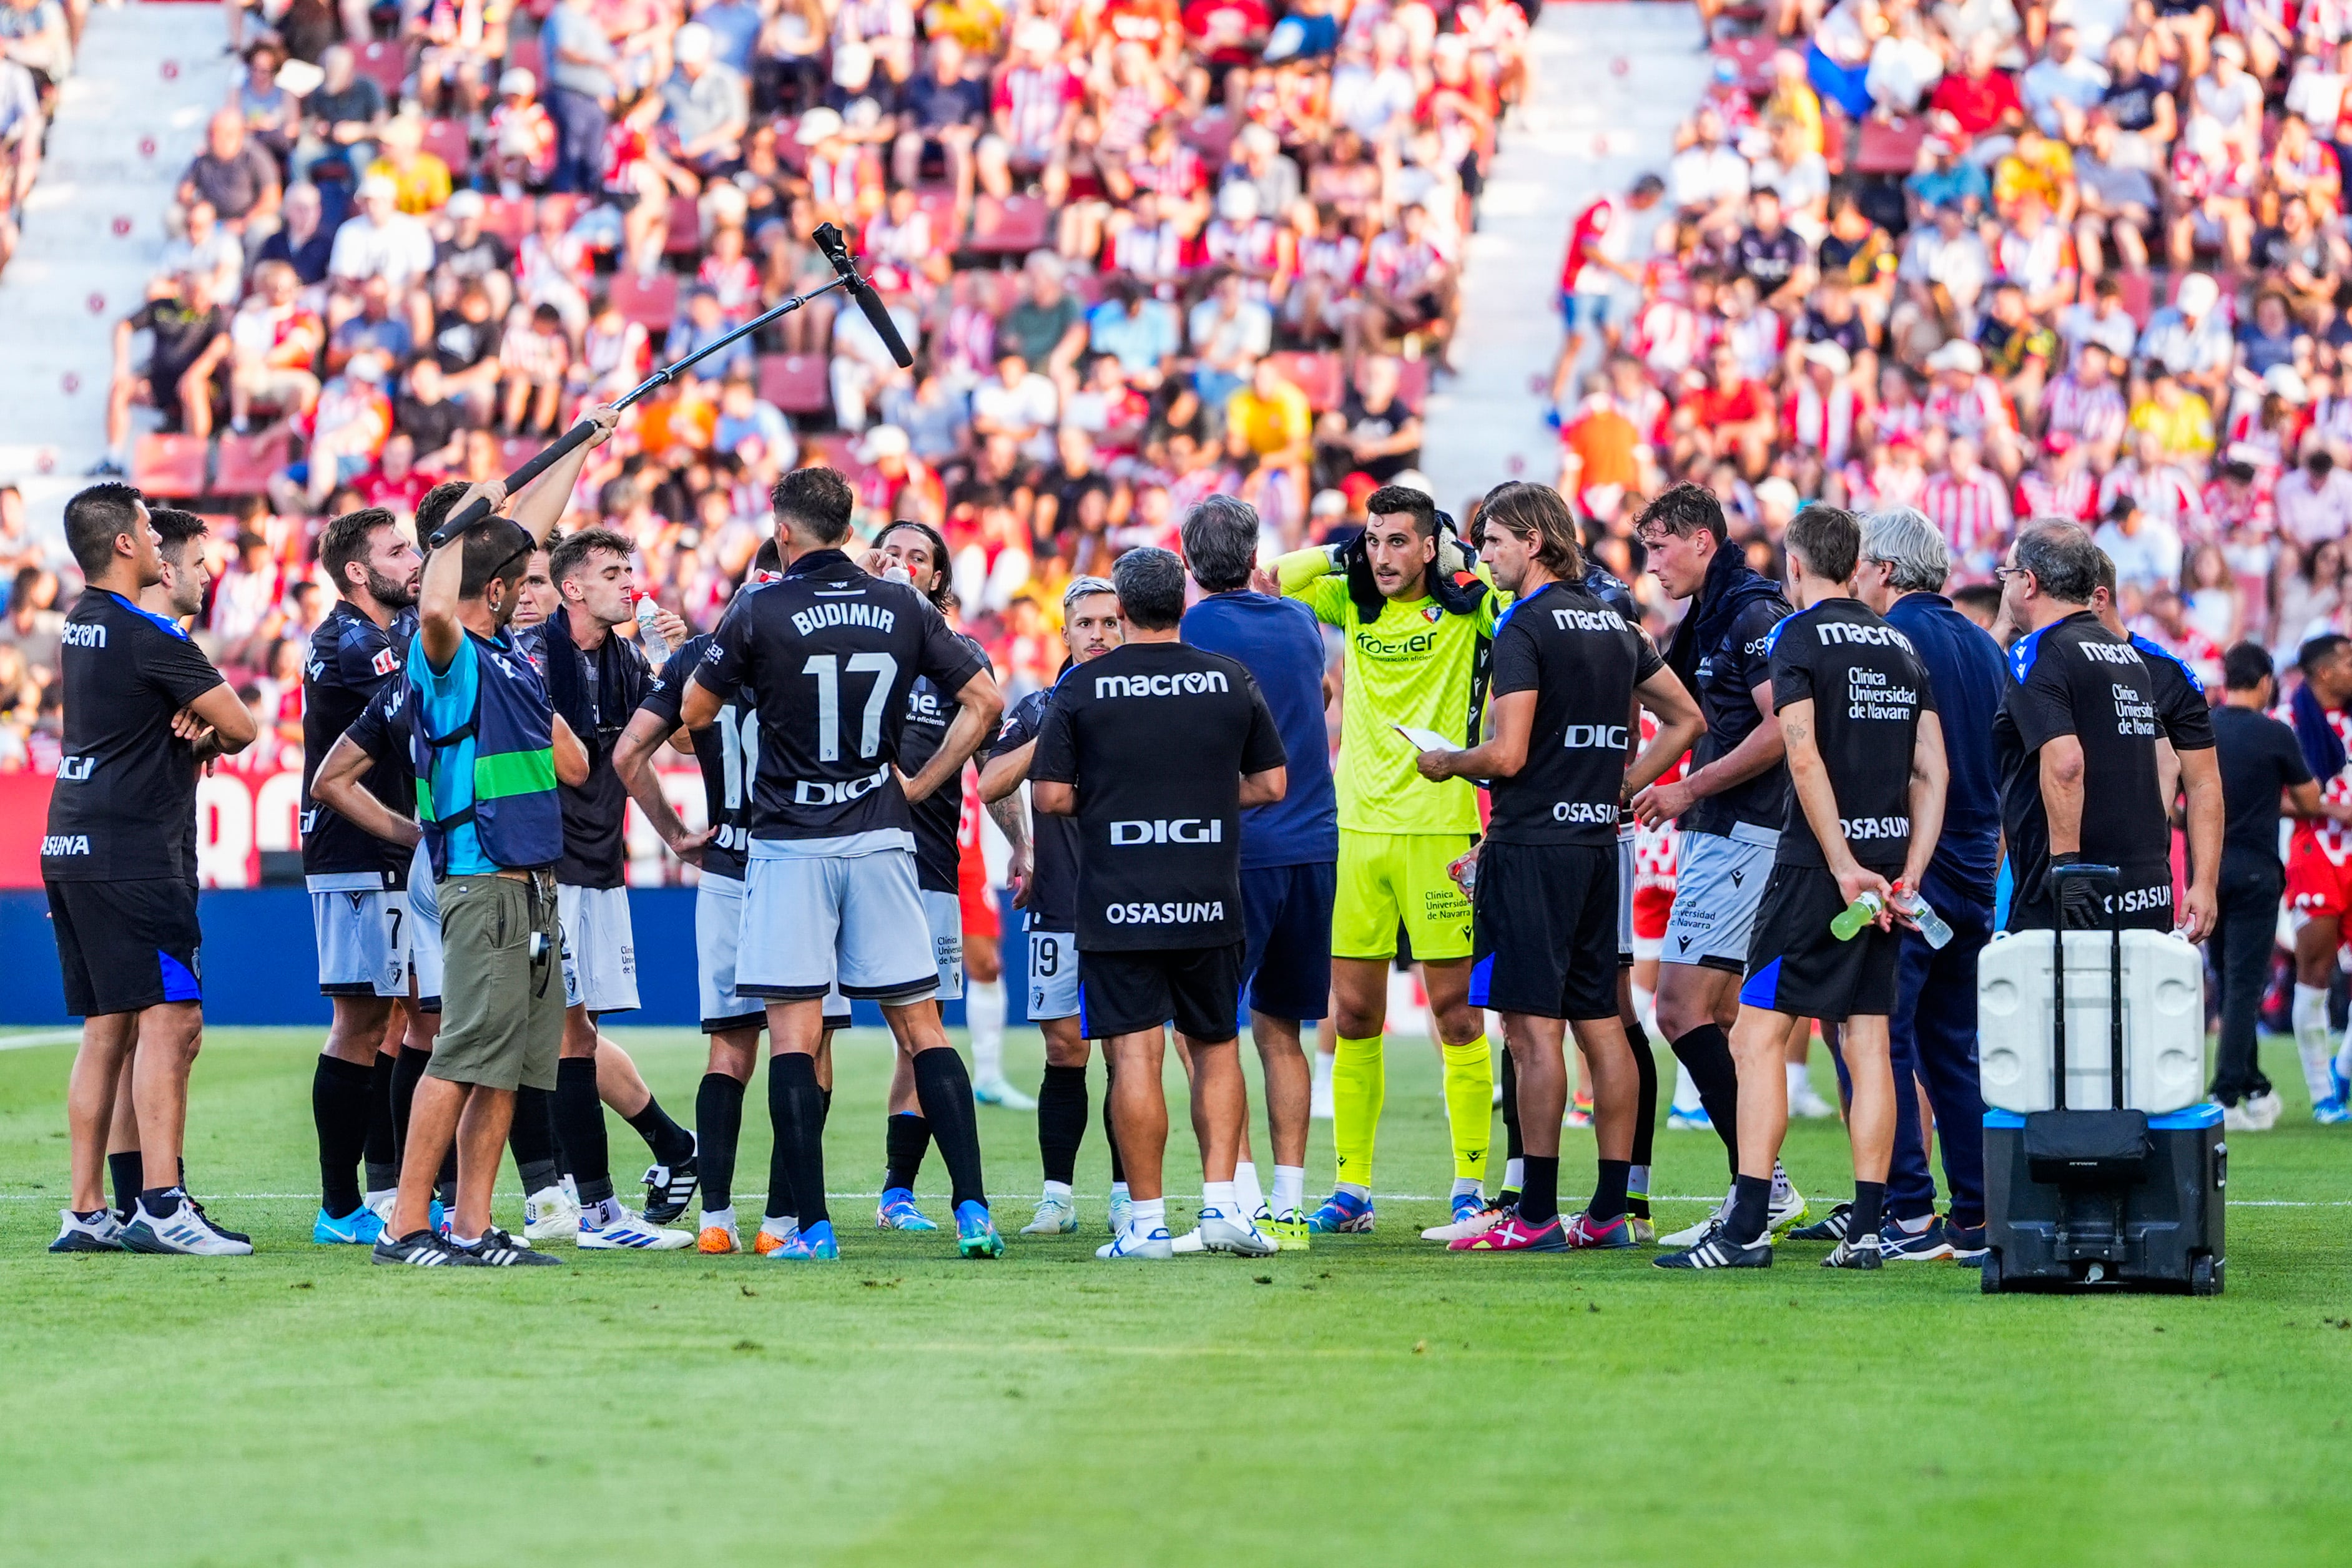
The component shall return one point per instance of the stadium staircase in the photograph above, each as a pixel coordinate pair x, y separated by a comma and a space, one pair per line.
127, 123
1613, 79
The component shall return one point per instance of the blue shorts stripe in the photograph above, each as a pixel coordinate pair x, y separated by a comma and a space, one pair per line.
1482, 973
1762, 988
179, 984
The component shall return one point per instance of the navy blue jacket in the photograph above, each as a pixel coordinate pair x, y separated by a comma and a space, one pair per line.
1965, 672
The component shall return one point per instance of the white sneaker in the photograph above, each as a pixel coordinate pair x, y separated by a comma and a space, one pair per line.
996, 1092
1788, 1206
1690, 1236
1190, 1242
551, 1214
382, 1204
2243, 1117
1122, 1211
628, 1232
1055, 1217
183, 1232
2268, 1106
1232, 1233
1135, 1246
1477, 1224
76, 1234
1807, 1102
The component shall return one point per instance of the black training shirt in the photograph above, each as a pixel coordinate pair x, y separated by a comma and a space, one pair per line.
120, 807
2259, 759
2075, 677
1582, 660
1156, 737
938, 817
727, 751
1053, 863
1728, 675
830, 653
1868, 689
352, 659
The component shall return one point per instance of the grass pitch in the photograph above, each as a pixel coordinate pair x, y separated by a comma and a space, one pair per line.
1373, 1401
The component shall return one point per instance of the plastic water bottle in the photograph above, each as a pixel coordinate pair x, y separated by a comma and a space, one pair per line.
1848, 922
657, 648
1920, 913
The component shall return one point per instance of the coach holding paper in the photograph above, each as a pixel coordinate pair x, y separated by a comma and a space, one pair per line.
2075, 744
1155, 748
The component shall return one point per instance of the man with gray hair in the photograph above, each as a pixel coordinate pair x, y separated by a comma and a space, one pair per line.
2081, 723
1904, 562
1290, 850
1160, 923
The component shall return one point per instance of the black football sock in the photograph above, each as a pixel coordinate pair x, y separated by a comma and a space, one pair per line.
1708, 1053
408, 1068
1513, 1147
1751, 1210
669, 1141
446, 1187
159, 1201
797, 1106
1646, 1119
1539, 1195
718, 1128
906, 1138
1609, 1191
530, 1138
1061, 1121
1869, 1198
944, 1088
124, 1170
339, 1096
382, 1153
1110, 1128
580, 1122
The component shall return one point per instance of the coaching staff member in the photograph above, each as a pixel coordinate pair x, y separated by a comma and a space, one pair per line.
1933, 1036
116, 863
1155, 748
2079, 724
1290, 849
488, 751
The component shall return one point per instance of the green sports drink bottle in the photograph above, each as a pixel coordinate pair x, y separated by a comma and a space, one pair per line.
1848, 922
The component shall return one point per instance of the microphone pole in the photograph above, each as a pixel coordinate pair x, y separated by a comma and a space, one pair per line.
877, 314
546, 458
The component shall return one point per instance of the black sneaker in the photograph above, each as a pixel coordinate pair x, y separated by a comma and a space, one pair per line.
1830, 1227
669, 1188
1967, 1244
422, 1249
497, 1250
1856, 1252
1716, 1250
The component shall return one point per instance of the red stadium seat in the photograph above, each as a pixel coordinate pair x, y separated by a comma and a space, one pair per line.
525, 55
386, 65
517, 450
1317, 375
172, 466
1753, 55
447, 140
940, 202
796, 383
651, 302
2139, 295
1412, 382
510, 218
685, 228
1890, 146
247, 463
1013, 226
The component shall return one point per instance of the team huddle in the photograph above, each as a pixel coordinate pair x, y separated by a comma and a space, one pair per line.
477, 719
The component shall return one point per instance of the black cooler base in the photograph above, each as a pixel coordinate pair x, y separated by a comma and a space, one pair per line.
2161, 1232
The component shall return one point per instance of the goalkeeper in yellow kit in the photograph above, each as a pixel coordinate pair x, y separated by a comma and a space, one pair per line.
1416, 622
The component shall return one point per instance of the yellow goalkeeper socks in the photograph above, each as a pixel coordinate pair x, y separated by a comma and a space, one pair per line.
1470, 1105
1358, 1085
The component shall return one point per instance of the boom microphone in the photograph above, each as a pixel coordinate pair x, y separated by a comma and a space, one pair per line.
836, 251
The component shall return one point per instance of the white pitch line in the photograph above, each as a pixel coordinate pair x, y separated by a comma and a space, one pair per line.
1031, 1197
46, 1036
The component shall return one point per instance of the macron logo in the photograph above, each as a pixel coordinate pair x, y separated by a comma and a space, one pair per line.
1831, 633
1189, 684
83, 634
2110, 653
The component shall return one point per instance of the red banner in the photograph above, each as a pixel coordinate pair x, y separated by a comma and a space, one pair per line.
240, 813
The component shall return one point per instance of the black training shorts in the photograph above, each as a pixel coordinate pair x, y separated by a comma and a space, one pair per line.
1126, 993
1544, 931
124, 945
1797, 966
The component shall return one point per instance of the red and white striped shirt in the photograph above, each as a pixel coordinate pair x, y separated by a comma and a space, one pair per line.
1970, 410
2095, 415
1972, 513
2040, 495
2163, 490
1033, 99
1822, 423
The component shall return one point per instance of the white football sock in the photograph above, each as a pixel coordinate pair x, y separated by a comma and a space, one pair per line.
1686, 1098
1469, 1185
1151, 1214
718, 1219
1799, 1080
1119, 1189
983, 1012
1289, 1189
1247, 1192
1355, 1189
596, 1216
1060, 1189
2311, 1041
1323, 1074
1515, 1174
780, 1224
1214, 1194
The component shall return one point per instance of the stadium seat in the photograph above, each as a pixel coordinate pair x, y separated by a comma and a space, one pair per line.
525, 55
172, 466
1890, 146
1412, 382
1317, 375
1013, 226
510, 218
940, 202
685, 228
447, 141
246, 463
651, 302
1753, 57
517, 450
795, 383
2138, 295
386, 65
